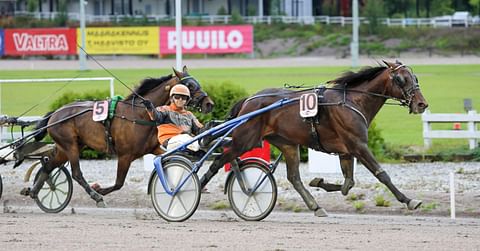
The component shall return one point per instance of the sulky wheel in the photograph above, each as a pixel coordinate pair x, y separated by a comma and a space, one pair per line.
56, 192
258, 205
183, 204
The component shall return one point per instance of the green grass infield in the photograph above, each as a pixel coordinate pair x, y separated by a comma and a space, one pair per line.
444, 87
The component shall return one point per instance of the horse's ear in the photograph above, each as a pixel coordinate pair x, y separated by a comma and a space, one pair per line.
177, 73
185, 70
388, 64
398, 62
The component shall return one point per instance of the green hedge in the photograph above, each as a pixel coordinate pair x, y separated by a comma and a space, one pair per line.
69, 97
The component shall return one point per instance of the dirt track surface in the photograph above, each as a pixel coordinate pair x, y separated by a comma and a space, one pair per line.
128, 229
130, 222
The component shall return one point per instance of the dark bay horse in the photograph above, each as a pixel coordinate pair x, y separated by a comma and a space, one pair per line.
133, 134
349, 107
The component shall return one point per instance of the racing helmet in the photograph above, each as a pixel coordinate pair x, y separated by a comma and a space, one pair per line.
180, 89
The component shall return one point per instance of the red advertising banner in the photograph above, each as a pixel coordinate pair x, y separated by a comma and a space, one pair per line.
208, 39
54, 41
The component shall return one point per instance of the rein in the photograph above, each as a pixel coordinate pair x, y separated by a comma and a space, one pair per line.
109, 72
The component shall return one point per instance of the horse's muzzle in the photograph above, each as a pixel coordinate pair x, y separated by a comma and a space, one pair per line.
207, 105
418, 108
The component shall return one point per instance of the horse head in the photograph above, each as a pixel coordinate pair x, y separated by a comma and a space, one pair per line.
200, 98
405, 87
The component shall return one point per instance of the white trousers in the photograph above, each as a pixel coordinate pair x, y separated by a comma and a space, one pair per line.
181, 139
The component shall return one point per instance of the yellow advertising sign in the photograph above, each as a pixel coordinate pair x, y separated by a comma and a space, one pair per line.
121, 40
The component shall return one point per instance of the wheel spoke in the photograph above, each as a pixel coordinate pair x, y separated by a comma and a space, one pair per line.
44, 197
58, 199
60, 191
170, 205
51, 200
181, 202
61, 183
245, 205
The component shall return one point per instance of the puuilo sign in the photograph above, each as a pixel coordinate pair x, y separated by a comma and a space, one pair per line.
208, 39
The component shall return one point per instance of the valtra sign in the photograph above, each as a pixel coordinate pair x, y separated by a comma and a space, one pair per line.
208, 39
40, 41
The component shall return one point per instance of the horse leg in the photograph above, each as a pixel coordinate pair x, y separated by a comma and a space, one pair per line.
292, 159
122, 171
56, 160
238, 146
346, 163
367, 159
226, 157
77, 175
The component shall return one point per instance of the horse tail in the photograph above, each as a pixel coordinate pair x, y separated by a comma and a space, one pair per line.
41, 133
236, 109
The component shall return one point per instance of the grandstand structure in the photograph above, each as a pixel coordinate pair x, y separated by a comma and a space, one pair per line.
259, 8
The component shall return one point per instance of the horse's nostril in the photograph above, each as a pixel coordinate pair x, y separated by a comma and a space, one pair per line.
422, 105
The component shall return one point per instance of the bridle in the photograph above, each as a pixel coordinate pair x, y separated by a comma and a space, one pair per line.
197, 94
409, 93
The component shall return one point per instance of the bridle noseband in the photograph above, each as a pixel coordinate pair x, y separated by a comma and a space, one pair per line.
194, 88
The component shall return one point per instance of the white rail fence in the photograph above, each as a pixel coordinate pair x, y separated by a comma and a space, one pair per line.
226, 19
472, 118
7, 136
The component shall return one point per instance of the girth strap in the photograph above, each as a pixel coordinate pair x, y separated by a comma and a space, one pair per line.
316, 139
107, 124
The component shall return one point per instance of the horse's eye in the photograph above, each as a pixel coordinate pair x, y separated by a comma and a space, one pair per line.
400, 81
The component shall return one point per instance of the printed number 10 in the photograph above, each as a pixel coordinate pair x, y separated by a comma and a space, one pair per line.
308, 101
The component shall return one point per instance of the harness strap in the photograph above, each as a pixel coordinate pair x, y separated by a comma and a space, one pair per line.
107, 124
139, 121
357, 111
316, 139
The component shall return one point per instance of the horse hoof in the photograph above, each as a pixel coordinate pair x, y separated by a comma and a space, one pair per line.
316, 182
320, 212
347, 185
414, 204
25, 191
101, 204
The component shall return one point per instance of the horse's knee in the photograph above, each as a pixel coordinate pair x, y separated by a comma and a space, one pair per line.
294, 179
77, 176
383, 177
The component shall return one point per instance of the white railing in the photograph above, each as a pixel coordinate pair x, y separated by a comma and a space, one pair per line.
471, 133
226, 19
10, 136
7, 136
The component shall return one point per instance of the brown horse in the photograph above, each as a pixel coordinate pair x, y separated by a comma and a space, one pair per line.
341, 125
132, 133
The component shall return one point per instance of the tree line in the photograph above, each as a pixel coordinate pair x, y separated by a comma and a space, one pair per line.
399, 8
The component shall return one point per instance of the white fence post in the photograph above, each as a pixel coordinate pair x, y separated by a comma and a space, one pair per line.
471, 128
426, 128
452, 196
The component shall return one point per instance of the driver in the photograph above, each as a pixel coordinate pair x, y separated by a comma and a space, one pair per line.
177, 125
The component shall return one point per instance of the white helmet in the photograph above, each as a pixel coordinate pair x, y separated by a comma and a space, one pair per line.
180, 89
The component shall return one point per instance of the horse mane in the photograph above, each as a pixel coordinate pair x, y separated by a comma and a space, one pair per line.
147, 85
355, 78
